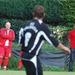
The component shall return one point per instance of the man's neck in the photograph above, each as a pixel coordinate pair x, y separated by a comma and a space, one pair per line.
36, 18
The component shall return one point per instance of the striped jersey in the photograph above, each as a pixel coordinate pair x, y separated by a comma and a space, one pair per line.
33, 35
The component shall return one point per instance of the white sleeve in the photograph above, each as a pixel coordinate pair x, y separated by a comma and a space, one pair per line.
20, 35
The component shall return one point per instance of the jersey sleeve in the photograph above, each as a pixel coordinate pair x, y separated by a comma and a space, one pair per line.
11, 35
49, 36
20, 36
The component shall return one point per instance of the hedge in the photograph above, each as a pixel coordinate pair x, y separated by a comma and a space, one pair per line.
22, 9
68, 12
57, 11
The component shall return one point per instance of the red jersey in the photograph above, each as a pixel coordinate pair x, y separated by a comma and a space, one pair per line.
71, 36
0, 38
6, 37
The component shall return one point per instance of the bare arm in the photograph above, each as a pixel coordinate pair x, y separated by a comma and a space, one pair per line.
64, 48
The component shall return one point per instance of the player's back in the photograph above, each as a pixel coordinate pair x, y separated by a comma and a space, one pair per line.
31, 36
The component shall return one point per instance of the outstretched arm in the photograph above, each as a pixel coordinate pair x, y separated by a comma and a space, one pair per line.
64, 48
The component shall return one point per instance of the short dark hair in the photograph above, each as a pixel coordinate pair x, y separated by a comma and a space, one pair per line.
39, 11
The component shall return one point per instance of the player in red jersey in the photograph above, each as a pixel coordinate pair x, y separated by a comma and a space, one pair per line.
71, 38
7, 36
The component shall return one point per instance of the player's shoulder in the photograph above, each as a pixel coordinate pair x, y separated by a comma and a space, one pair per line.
44, 25
2, 29
72, 30
27, 23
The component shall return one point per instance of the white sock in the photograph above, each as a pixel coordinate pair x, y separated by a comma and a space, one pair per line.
4, 66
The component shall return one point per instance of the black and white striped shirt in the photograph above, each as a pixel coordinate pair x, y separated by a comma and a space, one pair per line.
33, 35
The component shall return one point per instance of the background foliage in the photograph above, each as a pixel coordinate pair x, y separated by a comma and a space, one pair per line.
58, 13
22, 9
68, 12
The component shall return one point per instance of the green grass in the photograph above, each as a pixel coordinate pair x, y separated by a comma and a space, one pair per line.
44, 73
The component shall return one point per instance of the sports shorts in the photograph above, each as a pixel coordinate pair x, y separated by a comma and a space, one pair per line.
5, 52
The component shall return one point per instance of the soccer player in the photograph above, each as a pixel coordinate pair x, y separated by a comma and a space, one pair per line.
1, 49
20, 61
34, 33
20, 44
71, 39
7, 36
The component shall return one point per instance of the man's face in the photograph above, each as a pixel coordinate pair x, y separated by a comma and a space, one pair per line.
7, 25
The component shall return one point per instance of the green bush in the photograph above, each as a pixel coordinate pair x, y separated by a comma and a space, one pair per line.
15, 8
57, 11
13, 63
22, 9
68, 12
60, 32
52, 11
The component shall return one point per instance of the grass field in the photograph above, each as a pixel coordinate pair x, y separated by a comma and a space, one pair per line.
44, 73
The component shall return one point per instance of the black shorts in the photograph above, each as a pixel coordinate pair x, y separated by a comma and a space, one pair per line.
32, 64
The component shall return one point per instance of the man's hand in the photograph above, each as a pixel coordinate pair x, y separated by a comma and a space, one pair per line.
64, 48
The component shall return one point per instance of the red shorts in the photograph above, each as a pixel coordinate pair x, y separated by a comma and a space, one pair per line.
6, 52
1, 51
